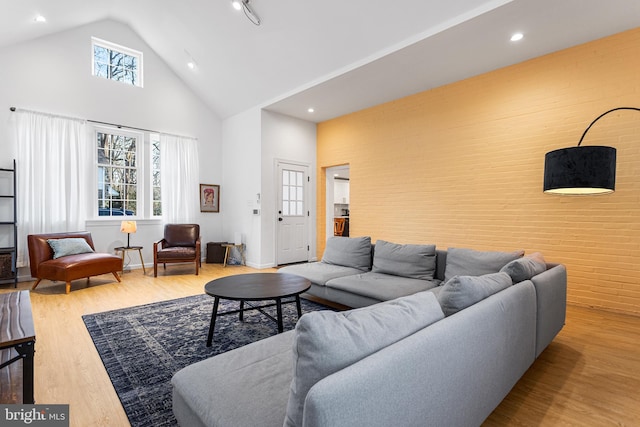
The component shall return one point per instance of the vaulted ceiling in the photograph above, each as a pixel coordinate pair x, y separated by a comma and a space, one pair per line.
335, 56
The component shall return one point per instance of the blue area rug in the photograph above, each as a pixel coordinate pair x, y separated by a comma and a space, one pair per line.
142, 347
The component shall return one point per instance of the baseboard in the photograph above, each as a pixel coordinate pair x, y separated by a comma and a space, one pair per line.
259, 266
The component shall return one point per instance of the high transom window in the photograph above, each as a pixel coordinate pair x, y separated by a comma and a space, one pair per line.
115, 62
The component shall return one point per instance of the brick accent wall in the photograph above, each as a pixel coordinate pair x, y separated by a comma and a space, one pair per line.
462, 166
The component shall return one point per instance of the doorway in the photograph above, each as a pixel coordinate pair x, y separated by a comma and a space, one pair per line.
292, 219
338, 201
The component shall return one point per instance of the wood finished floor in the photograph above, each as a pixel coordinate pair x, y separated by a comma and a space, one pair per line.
588, 376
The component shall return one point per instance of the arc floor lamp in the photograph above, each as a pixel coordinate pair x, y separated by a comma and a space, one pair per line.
582, 170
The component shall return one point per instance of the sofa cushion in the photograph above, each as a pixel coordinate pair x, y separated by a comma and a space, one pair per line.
319, 272
469, 262
464, 291
176, 252
69, 246
526, 267
382, 287
414, 261
348, 251
247, 386
326, 342
72, 267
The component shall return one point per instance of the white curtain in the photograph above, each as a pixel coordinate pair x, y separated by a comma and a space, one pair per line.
180, 177
53, 171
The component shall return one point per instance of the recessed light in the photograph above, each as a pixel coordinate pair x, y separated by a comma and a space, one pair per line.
310, 110
237, 4
516, 37
40, 18
191, 65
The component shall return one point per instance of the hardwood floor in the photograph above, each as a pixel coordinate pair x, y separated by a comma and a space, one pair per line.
588, 376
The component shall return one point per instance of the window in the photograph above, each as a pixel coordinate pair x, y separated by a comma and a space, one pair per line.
115, 62
156, 192
292, 193
117, 174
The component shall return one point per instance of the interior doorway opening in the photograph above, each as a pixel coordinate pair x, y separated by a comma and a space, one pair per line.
338, 201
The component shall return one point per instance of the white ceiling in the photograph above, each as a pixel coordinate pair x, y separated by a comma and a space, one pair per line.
333, 55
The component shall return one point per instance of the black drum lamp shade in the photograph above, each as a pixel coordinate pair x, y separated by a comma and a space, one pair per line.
582, 170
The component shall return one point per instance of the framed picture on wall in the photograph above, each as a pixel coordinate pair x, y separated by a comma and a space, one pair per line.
209, 198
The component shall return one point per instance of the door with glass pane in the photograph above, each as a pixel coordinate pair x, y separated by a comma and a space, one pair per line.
293, 214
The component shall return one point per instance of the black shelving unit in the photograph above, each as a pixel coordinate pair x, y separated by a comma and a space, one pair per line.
9, 230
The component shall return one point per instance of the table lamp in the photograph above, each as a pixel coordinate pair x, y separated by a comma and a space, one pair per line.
128, 227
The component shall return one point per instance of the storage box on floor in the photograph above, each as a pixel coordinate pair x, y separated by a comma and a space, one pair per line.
215, 252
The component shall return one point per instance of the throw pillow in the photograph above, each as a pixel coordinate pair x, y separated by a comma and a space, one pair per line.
464, 291
69, 246
469, 262
414, 261
349, 252
326, 341
526, 267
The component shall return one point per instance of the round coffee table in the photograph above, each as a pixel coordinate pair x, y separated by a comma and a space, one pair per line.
256, 287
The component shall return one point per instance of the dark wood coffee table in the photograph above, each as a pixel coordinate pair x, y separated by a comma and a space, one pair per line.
256, 287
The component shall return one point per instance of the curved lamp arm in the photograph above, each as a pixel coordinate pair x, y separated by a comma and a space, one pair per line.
601, 116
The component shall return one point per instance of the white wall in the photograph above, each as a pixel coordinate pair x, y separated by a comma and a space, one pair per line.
252, 141
290, 139
241, 182
53, 74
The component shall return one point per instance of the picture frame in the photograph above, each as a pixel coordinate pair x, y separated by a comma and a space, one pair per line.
209, 198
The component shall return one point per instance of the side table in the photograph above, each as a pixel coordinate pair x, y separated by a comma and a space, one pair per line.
124, 249
228, 247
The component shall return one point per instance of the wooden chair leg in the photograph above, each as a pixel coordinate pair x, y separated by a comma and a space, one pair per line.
155, 269
69, 287
197, 267
115, 274
35, 284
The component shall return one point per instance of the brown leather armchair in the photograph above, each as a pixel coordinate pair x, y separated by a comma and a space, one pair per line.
181, 243
70, 267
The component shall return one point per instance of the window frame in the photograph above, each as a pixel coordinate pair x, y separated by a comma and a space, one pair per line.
120, 49
289, 199
140, 172
154, 137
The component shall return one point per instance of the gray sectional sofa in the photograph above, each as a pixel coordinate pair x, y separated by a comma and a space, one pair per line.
444, 353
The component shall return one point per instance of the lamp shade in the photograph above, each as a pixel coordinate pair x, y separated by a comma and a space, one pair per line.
128, 227
580, 170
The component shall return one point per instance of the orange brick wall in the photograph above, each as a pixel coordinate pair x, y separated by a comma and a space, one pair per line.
462, 166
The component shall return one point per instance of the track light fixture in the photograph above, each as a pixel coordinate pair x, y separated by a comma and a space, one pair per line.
249, 13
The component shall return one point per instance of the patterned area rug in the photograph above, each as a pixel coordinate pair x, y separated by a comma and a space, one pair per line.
142, 347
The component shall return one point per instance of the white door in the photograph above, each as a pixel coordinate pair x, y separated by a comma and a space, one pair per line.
293, 214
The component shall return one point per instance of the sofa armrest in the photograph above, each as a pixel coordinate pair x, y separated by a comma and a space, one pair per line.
551, 301
160, 243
